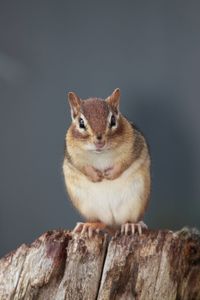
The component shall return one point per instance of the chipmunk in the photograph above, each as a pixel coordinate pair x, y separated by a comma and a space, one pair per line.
106, 166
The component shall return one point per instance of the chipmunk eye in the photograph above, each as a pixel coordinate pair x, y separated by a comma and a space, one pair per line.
112, 121
81, 123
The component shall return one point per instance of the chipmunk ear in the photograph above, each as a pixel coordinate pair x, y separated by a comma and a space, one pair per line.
114, 99
75, 103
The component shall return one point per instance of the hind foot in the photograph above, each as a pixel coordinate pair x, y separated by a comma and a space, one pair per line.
132, 228
89, 228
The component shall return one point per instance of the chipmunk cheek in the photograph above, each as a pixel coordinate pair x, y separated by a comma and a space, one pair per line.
89, 146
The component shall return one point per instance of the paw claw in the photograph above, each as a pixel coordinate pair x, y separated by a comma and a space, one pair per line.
89, 229
90, 232
122, 229
132, 228
140, 230
126, 229
78, 228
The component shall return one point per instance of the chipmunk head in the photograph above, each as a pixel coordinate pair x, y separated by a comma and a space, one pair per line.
95, 122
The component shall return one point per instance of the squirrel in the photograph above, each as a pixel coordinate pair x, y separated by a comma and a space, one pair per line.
106, 166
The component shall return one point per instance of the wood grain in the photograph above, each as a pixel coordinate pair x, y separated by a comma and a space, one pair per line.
61, 265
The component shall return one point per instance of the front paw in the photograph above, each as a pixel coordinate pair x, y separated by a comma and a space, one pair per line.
97, 176
109, 174
93, 174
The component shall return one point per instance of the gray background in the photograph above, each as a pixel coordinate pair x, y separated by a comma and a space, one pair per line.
149, 49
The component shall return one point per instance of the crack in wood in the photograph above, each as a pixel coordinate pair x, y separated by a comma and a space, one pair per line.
60, 265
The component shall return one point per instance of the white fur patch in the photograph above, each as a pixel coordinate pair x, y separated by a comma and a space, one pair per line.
113, 202
101, 160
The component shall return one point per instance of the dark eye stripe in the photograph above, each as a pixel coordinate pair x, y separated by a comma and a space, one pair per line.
81, 123
112, 121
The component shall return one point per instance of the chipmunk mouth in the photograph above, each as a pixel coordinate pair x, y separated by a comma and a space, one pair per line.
99, 145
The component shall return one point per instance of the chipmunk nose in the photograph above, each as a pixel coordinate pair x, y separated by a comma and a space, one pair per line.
99, 143
99, 136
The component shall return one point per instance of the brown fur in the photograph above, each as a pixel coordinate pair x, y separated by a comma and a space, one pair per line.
96, 112
66, 153
113, 100
74, 102
77, 134
127, 143
120, 130
127, 147
138, 144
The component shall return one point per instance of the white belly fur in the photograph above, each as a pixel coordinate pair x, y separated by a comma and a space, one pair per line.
113, 202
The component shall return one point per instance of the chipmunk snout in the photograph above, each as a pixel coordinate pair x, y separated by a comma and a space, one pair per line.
99, 141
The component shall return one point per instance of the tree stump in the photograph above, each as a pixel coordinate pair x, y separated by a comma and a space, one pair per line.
60, 265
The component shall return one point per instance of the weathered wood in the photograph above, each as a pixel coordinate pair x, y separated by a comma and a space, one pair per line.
59, 265
157, 265
32, 272
84, 264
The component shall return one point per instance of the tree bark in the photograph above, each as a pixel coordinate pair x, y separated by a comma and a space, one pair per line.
60, 265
